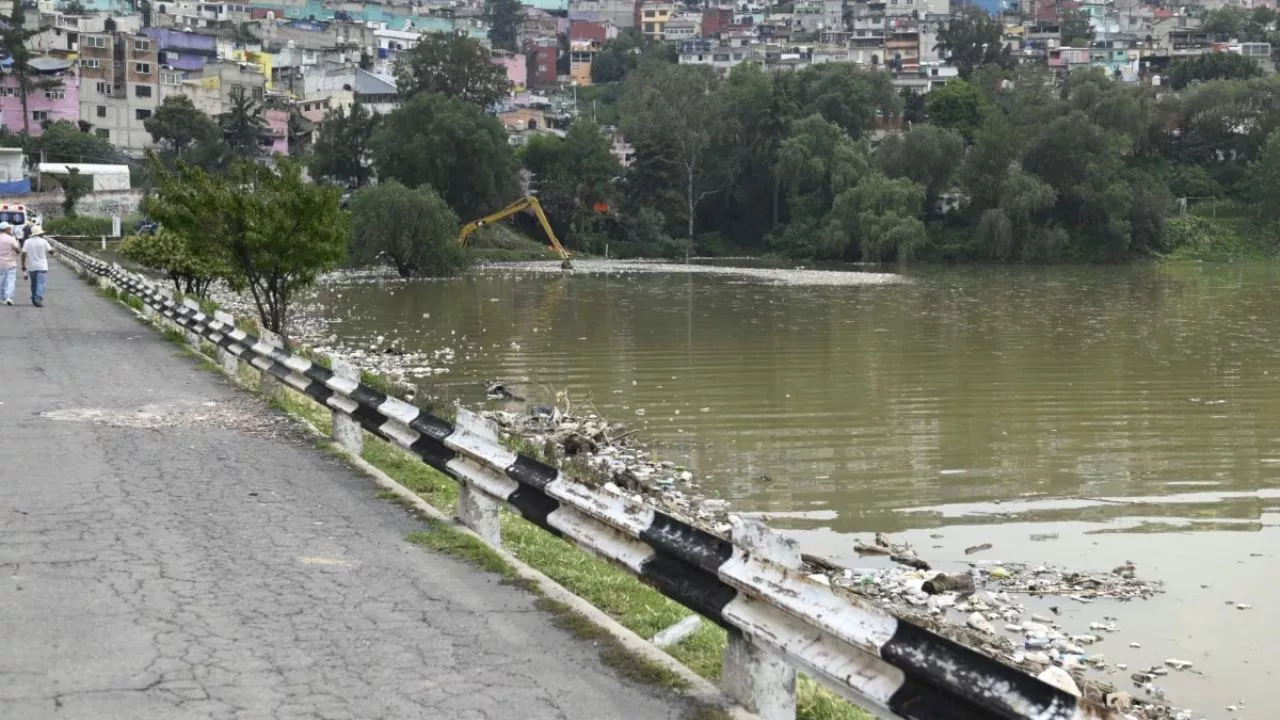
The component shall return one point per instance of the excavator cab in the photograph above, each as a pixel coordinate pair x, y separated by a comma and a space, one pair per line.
528, 202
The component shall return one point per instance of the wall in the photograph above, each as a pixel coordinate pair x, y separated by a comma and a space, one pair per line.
63, 104
98, 204
517, 68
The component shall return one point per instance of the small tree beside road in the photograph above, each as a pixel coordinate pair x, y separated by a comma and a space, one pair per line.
277, 232
413, 228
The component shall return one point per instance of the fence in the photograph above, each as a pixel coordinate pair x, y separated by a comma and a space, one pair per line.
778, 619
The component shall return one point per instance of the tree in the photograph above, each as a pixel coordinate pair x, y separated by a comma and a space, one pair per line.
277, 231
676, 106
72, 7
243, 125
452, 65
956, 106
1264, 175
1076, 27
617, 58
451, 145
13, 42
572, 175
414, 229
878, 216
972, 39
504, 18
1213, 66
926, 155
343, 148
64, 141
170, 254
180, 129
842, 93
74, 187
1225, 21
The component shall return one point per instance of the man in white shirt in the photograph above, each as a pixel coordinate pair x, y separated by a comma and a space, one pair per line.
35, 263
10, 251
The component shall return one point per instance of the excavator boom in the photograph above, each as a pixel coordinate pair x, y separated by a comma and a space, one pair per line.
528, 202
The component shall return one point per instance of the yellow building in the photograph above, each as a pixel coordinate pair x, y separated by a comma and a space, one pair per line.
653, 18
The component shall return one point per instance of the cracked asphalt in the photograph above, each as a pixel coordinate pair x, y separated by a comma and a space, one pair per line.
194, 568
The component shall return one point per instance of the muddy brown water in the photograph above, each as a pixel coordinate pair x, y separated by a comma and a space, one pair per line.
1134, 412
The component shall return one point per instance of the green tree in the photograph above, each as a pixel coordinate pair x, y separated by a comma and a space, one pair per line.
572, 175
1213, 66
73, 7
617, 58
956, 106
74, 187
675, 106
276, 231
842, 93
452, 65
184, 132
64, 142
1225, 21
414, 229
1264, 176
14, 35
878, 216
1076, 28
342, 152
504, 18
170, 254
972, 39
926, 155
243, 125
451, 145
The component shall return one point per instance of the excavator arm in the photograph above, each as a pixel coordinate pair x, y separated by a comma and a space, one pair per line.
528, 202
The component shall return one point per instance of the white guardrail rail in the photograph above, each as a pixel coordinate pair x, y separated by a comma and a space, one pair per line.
778, 620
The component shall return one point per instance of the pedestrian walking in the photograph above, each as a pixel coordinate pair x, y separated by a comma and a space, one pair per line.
10, 252
35, 263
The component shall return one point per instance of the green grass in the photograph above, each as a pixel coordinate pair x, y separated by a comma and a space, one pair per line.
633, 604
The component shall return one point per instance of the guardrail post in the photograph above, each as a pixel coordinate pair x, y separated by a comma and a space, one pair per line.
475, 509
229, 362
270, 385
346, 429
754, 675
193, 337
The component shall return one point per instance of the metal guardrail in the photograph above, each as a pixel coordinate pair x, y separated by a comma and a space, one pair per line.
777, 618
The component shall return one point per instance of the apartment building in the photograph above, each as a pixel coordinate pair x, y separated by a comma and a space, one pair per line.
119, 86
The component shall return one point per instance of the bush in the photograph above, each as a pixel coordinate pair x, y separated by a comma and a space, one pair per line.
166, 252
78, 225
412, 228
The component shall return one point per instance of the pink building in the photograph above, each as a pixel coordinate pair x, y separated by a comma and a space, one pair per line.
278, 128
516, 67
51, 105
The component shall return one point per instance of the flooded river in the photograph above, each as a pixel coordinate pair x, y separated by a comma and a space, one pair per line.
1132, 412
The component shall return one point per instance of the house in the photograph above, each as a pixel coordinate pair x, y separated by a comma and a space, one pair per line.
516, 67
119, 86
542, 55
374, 91
58, 99
652, 17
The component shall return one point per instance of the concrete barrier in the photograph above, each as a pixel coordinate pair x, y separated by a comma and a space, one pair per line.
778, 620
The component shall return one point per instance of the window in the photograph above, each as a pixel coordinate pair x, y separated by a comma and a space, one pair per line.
103, 89
141, 114
97, 41
649, 13
39, 115
102, 111
142, 68
648, 27
170, 78
103, 133
55, 94
141, 45
92, 64
142, 91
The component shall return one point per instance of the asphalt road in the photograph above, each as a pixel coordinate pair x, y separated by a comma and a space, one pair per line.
171, 549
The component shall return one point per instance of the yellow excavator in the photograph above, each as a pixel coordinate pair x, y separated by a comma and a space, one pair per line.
527, 202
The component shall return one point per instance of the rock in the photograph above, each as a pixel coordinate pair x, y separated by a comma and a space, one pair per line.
1177, 664
961, 582
1121, 701
981, 624
977, 548
1059, 678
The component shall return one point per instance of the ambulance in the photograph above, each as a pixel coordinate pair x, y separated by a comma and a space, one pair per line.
20, 217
